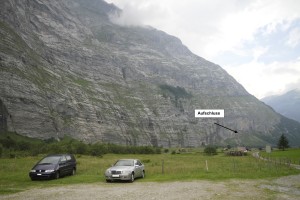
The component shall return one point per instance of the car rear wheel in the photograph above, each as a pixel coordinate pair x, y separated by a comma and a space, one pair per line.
143, 174
73, 172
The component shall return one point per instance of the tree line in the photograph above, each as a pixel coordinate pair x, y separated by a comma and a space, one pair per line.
22, 146
13, 145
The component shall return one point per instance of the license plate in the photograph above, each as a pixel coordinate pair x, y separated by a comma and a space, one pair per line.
39, 174
115, 176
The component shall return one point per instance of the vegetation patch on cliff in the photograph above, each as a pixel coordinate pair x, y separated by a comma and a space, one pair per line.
177, 92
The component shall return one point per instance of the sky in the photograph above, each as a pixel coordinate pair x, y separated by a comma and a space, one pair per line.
255, 41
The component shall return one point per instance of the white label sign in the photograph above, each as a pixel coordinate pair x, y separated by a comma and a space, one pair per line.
209, 113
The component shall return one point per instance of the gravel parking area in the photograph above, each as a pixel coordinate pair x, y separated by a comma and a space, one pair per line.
282, 188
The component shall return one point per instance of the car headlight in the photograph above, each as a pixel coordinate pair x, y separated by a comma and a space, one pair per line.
108, 171
49, 170
33, 170
126, 172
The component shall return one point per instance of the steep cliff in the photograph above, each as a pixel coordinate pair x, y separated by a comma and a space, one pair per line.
66, 69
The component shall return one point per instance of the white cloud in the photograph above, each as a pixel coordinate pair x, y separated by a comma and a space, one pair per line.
140, 13
214, 28
241, 26
209, 27
294, 37
267, 79
259, 52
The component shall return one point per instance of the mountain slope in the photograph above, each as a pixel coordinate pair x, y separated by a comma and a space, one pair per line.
287, 104
66, 69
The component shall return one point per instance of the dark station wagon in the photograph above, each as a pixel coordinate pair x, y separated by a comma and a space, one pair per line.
54, 166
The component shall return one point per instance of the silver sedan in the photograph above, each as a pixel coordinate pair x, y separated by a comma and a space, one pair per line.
125, 169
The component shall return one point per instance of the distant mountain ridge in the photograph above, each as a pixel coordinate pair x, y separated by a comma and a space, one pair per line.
66, 69
287, 104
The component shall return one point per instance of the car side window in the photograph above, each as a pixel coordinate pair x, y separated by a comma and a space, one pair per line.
63, 159
138, 163
68, 158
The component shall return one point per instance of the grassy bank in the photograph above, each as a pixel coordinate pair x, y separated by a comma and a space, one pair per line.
288, 155
159, 167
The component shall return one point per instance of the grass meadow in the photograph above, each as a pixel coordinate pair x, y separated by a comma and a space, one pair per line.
159, 168
288, 155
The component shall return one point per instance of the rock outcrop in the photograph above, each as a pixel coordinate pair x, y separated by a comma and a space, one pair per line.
66, 69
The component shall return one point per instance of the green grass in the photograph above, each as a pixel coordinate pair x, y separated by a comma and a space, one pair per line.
289, 154
178, 167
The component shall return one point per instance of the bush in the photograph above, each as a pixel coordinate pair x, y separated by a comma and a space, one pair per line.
23, 146
1, 150
97, 150
8, 142
146, 161
34, 151
158, 150
210, 150
81, 148
55, 148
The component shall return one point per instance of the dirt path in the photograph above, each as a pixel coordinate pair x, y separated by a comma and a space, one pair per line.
282, 188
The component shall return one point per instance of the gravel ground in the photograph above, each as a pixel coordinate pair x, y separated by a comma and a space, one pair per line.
282, 188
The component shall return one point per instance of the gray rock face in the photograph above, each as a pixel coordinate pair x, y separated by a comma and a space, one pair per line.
66, 69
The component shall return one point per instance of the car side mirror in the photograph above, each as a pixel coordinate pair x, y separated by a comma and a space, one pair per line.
62, 162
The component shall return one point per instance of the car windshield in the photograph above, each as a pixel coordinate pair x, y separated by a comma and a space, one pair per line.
50, 160
124, 163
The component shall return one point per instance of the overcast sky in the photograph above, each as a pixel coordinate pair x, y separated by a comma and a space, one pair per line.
255, 41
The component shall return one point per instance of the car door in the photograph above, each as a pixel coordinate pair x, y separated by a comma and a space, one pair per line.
138, 168
70, 164
63, 167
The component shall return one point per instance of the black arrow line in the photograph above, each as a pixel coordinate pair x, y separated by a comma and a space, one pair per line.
226, 128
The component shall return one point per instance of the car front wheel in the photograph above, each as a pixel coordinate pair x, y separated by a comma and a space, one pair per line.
57, 175
132, 178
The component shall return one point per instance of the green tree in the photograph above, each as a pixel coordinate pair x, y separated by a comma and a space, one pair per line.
283, 142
